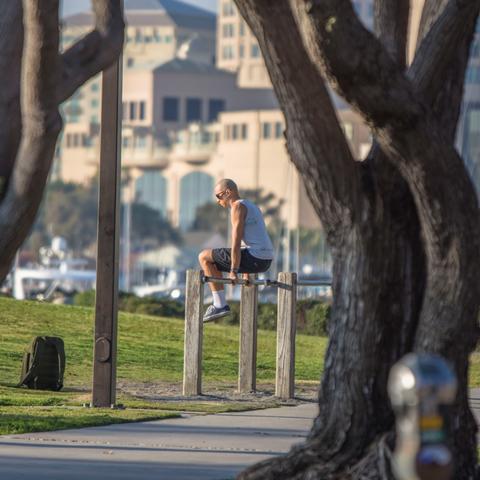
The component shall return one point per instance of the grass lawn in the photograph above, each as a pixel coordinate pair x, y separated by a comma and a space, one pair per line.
150, 349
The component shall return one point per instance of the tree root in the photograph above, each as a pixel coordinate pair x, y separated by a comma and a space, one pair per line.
302, 463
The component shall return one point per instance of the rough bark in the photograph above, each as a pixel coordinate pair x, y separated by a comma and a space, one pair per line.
391, 27
11, 44
31, 102
380, 271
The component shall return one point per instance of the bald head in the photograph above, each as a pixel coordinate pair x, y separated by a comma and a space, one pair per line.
225, 183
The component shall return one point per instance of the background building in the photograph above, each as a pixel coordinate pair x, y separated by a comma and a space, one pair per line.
198, 106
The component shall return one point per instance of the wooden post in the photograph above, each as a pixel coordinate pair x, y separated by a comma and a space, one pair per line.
105, 348
192, 358
286, 325
247, 364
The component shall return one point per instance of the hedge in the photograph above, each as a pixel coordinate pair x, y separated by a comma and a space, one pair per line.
312, 315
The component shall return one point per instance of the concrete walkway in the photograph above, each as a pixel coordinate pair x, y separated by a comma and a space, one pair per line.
196, 447
213, 447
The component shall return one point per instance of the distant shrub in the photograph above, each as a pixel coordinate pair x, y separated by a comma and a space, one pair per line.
128, 302
312, 315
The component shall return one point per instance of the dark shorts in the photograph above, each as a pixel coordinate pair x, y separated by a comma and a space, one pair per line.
248, 263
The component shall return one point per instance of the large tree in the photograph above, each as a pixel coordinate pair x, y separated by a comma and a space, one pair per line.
402, 225
36, 79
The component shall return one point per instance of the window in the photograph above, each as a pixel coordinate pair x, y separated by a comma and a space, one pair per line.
94, 103
76, 140
227, 52
242, 28
278, 129
255, 51
130, 62
215, 106
141, 142
241, 51
235, 131
473, 75
141, 114
194, 109
168, 38
151, 189
228, 30
243, 131
266, 130
196, 189
133, 110
94, 87
170, 109
228, 9
228, 132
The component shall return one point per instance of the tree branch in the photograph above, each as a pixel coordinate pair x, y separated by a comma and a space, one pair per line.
440, 45
391, 27
315, 140
96, 51
444, 196
41, 126
430, 13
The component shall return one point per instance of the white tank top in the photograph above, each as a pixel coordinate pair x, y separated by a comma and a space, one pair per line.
255, 235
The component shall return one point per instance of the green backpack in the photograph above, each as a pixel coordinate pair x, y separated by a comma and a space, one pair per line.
43, 364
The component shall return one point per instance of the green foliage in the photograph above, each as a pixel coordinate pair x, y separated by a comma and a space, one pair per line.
69, 210
150, 228
312, 316
211, 217
133, 304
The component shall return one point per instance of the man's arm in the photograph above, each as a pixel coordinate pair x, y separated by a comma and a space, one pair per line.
238, 215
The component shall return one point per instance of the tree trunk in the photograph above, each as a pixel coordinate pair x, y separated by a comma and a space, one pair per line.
11, 44
390, 253
39, 79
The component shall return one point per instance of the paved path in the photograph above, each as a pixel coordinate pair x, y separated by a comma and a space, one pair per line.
196, 447
213, 447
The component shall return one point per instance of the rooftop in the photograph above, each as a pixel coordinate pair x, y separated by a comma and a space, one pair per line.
179, 65
156, 13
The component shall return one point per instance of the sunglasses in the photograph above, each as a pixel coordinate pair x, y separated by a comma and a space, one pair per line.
220, 195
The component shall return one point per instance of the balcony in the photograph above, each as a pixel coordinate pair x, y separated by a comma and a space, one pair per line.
156, 157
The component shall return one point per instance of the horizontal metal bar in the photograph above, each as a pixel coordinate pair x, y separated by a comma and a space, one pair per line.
265, 282
314, 283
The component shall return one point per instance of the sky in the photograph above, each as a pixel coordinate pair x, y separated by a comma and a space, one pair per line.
75, 6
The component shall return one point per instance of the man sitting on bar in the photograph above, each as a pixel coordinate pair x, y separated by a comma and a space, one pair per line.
251, 252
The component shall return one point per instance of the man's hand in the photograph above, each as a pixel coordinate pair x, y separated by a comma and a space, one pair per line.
233, 276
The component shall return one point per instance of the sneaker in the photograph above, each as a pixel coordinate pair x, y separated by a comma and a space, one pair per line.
213, 313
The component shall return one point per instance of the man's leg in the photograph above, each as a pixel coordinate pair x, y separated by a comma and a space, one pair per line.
210, 269
219, 308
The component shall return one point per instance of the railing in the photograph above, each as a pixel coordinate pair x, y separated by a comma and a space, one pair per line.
286, 328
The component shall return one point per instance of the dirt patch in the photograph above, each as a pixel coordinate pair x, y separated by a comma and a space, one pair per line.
215, 392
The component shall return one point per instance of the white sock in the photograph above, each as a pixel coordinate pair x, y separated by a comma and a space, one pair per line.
219, 299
